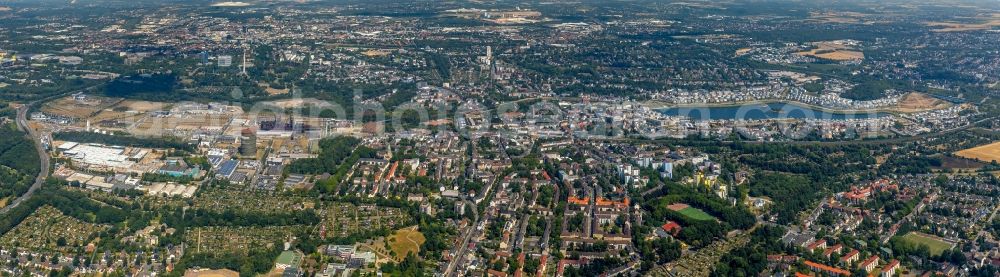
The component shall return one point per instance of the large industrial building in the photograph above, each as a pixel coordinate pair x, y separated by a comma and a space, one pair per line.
102, 157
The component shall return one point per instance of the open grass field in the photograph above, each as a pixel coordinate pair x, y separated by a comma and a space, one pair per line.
984, 153
406, 241
935, 244
272, 91
396, 246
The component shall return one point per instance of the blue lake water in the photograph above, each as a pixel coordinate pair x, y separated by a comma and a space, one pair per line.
758, 111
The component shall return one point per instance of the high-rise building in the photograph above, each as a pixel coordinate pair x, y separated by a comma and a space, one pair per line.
248, 143
225, 61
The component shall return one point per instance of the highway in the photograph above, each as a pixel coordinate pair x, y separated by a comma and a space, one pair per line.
22, 124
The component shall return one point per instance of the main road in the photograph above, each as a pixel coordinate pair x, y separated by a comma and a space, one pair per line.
43, 172
895, 140
463, 248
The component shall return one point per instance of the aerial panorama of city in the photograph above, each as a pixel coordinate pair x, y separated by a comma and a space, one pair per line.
495, 138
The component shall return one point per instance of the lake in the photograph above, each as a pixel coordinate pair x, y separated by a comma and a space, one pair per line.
758, 111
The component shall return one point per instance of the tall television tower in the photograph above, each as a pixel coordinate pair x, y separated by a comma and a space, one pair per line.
244, 61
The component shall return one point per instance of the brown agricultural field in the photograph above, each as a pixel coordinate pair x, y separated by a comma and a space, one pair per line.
79, 108
917, 102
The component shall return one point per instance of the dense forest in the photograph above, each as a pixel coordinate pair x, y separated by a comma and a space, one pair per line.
790, 193
141, 84
258, 260
6, 110
333, 152
336, 158
875, 89
697, 232
19, 162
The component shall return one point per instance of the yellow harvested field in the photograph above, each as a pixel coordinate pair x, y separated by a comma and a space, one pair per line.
985, 153
274, 91
375, 53
841, 55
943, 27
961, 27
834, 51
838, 17
986, 23
836, 55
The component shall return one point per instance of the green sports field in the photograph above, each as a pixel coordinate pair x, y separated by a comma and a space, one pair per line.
936, 245
696, 214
